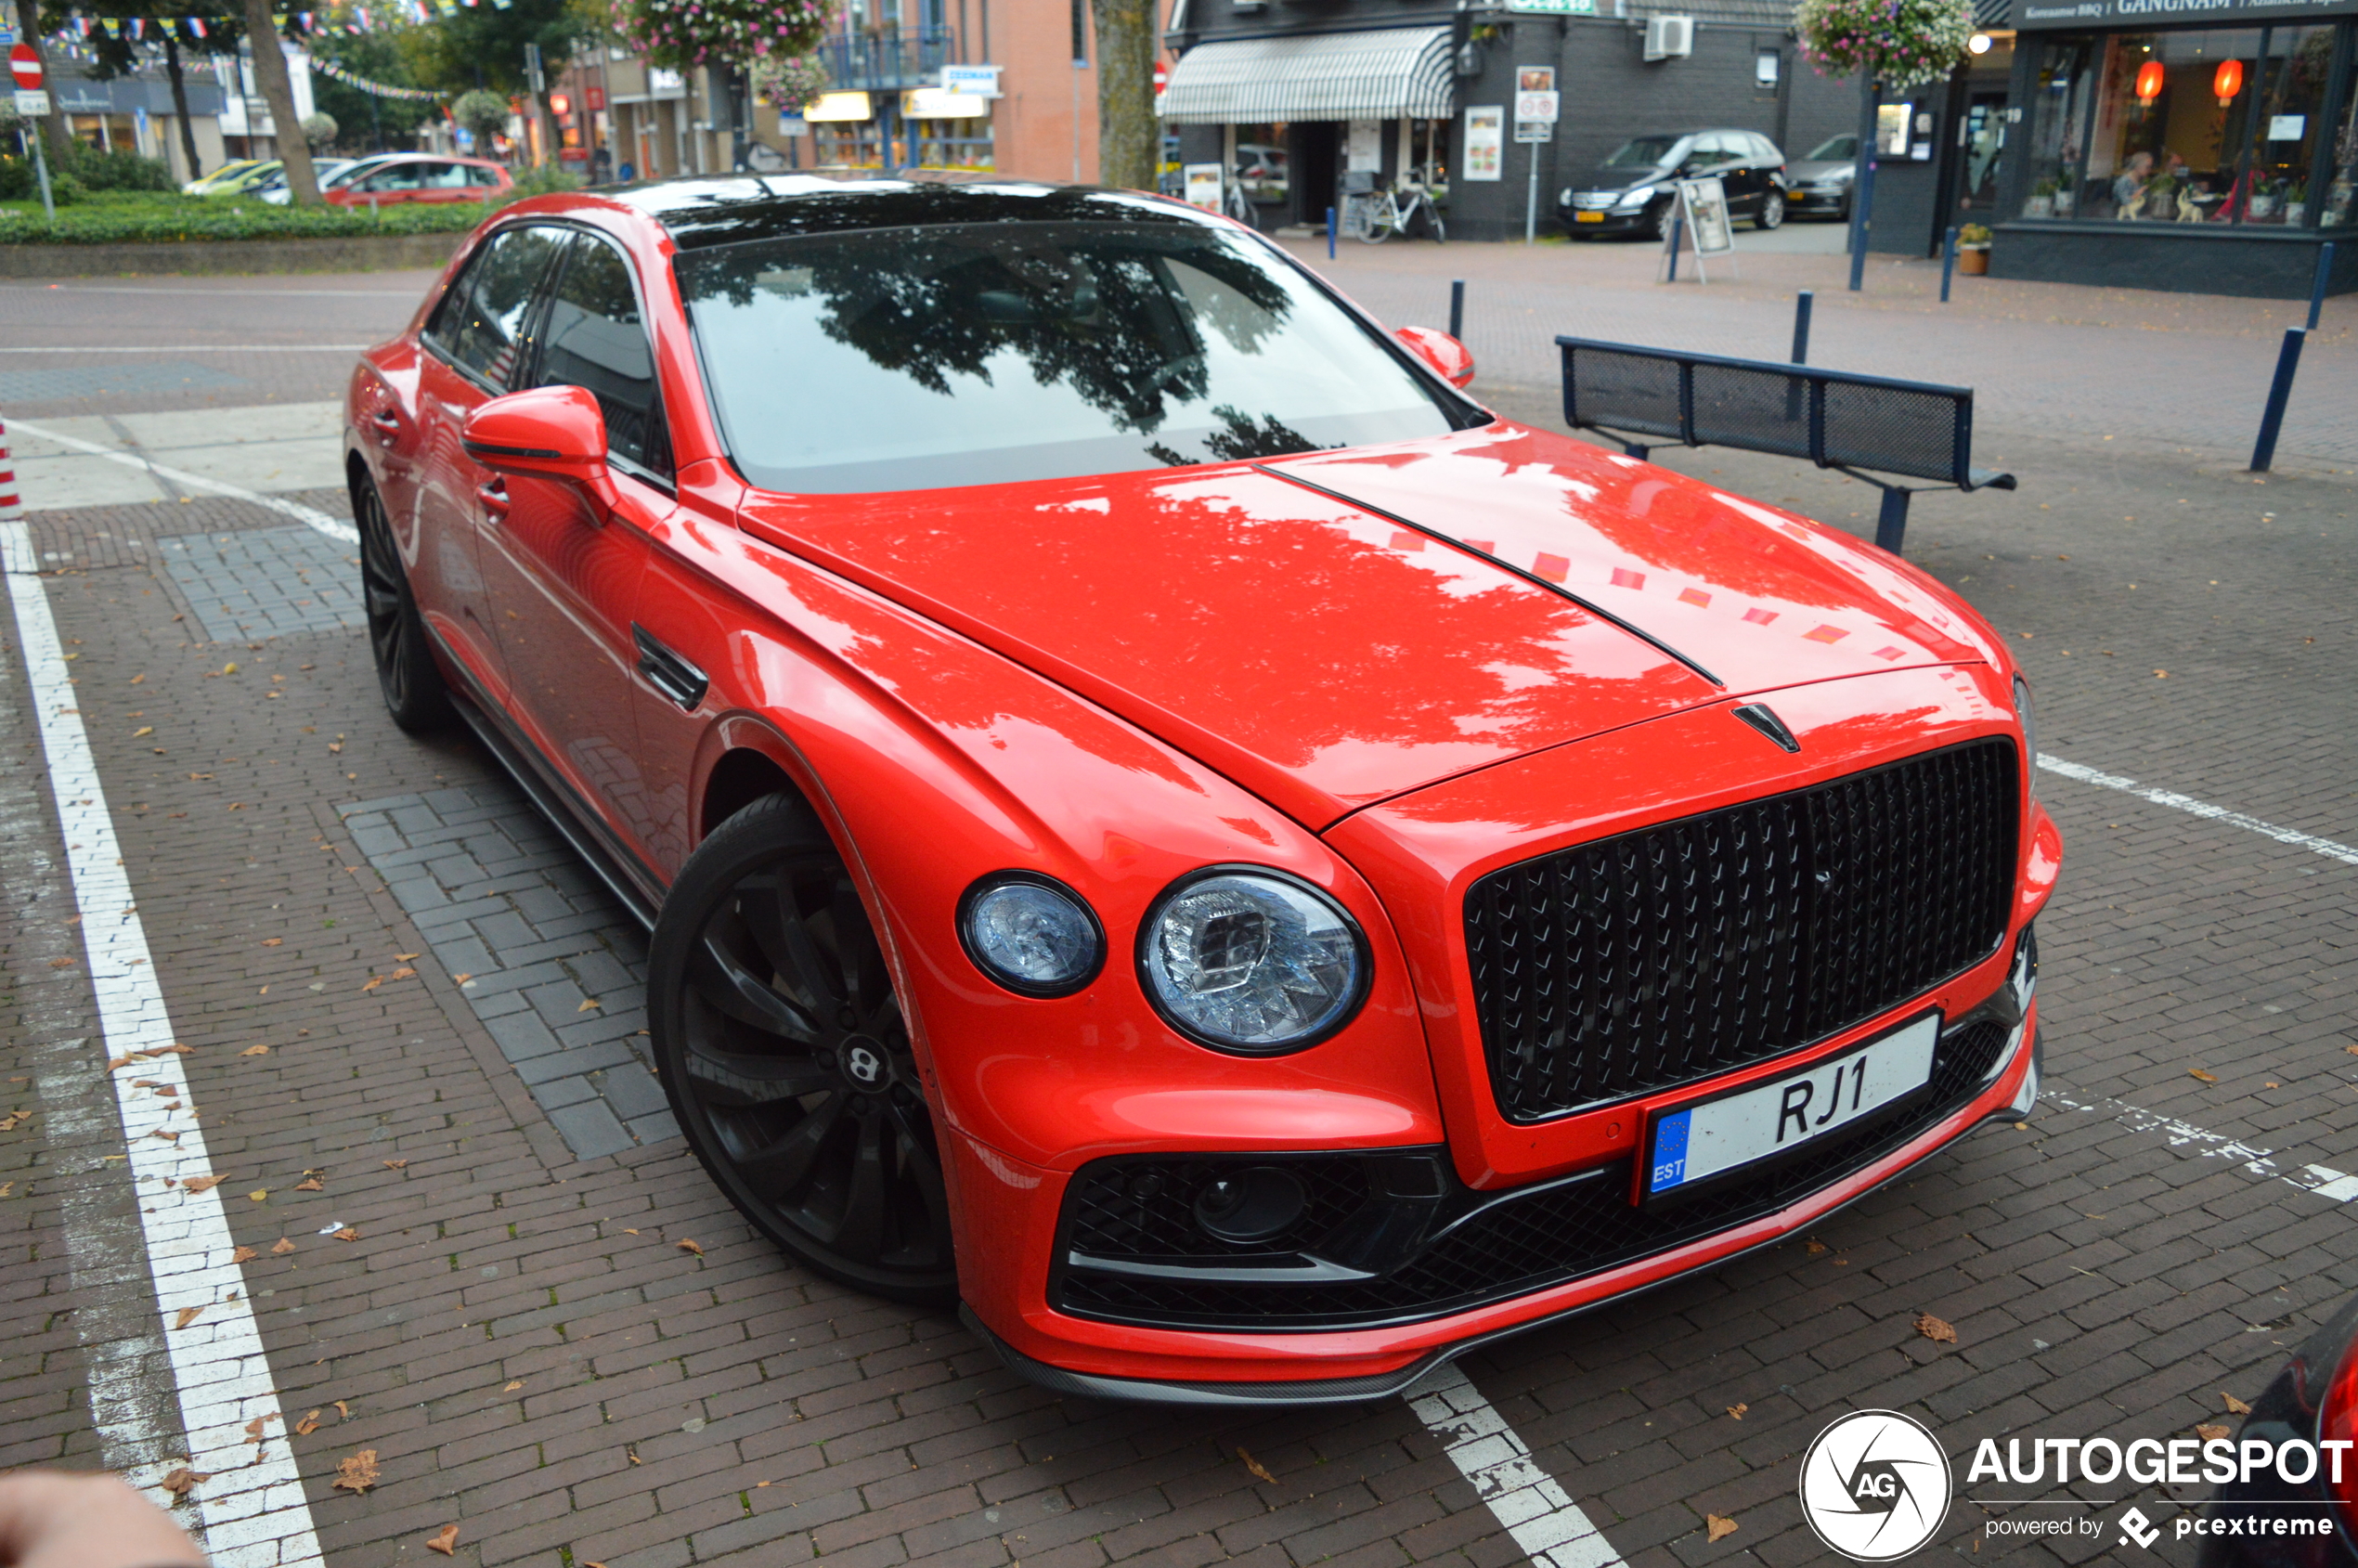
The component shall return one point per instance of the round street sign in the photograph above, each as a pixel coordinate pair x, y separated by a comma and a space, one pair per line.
1162, 77
25, 66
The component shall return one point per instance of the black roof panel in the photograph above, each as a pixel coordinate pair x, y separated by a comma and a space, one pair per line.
702, 211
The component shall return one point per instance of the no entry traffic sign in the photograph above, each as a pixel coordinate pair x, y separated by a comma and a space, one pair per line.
25, 66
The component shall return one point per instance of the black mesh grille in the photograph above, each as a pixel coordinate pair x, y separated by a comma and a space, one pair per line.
1146, 1207
1664, 955
1527, 1244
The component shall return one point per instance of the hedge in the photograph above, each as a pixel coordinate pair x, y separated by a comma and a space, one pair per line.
111, 218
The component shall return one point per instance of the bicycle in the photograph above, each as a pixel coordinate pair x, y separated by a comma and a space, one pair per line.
1237, 206
1388, 213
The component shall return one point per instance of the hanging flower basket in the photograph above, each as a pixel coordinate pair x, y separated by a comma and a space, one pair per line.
1900, 43
679, 33
790, 81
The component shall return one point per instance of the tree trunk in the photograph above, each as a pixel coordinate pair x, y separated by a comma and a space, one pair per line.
60, 136
180, 100
1129, 140
277, 95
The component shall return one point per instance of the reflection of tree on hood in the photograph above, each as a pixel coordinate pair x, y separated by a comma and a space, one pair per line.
1103, 311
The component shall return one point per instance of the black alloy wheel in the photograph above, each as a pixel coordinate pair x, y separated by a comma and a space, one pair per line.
782, 1047
413, 690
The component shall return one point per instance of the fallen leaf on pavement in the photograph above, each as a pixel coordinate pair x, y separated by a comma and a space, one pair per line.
2234, 1407
125, 1061
273, 941
180, 1482
403, 973
260, 1195
2206, 1077
374, 981
143, 730
1738, 1410
174, 1049
587, 1007
690, 1246
169, 1137
202, 1184
445, 1540
2210, 1433
1931, 1328
1256, 1467
281, 1248
343, 1408
349, 1233
309, 1424
629, 1233
244, 1255
311, 1184
513, 1387
1719, 1526
255, 1051
187, 1316
396, 1164
1814, 1248
358, 1473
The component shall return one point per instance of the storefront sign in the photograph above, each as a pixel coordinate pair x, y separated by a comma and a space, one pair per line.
935, 103
1486, 141
2031, 14
1203, 186
839, 106
1705, 203
975, 81
1553, 7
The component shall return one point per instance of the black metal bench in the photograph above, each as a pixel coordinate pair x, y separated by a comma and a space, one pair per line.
1645, 397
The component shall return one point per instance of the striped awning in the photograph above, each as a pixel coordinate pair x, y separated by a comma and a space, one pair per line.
1398, 73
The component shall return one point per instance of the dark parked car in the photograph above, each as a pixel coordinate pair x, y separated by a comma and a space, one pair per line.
1820, 181
1632, 192
2267, 1522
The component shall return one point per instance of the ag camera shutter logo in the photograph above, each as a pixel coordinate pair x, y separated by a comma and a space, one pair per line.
1875, 1485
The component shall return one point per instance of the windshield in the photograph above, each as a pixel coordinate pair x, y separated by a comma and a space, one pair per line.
916, 358
1833, 150
1645, 152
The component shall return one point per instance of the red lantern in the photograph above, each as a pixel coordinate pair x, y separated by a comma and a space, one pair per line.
560, 105
2227, 80
2148, 82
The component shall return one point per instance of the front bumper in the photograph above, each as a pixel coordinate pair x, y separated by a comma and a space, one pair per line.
1809, 199
1580, 221
1101, 1357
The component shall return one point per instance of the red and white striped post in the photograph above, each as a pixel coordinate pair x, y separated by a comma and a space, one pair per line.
10, 507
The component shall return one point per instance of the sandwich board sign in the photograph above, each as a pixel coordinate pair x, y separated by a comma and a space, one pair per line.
1703, 224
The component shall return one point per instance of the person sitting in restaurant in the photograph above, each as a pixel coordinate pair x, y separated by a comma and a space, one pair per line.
2132, 183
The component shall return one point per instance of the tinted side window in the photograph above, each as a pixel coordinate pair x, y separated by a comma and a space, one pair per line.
595, 339
482, 323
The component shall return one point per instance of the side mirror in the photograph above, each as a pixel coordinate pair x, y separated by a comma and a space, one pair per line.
546, 433
1448, 356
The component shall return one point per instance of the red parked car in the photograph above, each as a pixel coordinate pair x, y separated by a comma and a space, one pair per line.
1163, 818
419, 177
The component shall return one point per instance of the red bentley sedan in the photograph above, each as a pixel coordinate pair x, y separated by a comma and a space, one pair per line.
1161, 818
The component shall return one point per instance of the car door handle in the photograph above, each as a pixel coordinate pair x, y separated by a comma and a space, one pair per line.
667, 672
494, 498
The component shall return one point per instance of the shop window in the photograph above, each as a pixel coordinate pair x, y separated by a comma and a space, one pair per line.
2216, 125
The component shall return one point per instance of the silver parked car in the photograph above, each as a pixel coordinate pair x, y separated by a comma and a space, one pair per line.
1820, 183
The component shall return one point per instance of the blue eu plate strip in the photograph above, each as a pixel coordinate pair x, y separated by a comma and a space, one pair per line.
1670, 1151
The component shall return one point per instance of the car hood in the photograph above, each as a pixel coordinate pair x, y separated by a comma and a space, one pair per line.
1816, 169
1624, 179
1334, 630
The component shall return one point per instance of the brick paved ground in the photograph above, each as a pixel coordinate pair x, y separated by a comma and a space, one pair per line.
520, 1338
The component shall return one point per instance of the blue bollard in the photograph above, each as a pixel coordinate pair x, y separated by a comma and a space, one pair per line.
1802, 306
2263, 451
1330, 234
1457, 307
1678, 234
2317, 287
1948, 262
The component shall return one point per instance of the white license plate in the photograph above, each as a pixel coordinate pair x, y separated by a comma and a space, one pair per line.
1696, 1142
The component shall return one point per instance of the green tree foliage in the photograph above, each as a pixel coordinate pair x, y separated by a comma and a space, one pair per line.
370, 122
483, 46
483, 115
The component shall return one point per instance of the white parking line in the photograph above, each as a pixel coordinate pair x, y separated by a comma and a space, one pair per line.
311, 516
2178, 802
2322, 1180
252, 1504
1540, 1515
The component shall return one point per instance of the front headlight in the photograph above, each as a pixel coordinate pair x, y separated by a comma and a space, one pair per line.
1241, 958
1031, 933
1637, 198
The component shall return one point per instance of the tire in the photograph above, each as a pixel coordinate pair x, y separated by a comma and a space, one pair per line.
783, 1048
1658, 221
407, 675
1379, 227
1440, 229
1772, 211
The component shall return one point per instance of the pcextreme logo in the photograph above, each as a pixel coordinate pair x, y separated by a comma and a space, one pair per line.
1875, 1485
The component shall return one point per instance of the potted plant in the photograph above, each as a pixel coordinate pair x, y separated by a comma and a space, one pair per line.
2296, 204
1973, 249
2263, 200
2043, 201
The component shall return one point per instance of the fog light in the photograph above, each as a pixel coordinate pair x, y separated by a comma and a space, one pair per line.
1250, 1205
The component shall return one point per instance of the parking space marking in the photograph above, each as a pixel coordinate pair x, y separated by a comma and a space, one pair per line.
2322, 1180
252, 1506
2187, 803
310, 516
1553, 1531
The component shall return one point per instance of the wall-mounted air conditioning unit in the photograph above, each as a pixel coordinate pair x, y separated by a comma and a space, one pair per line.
1669, 38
